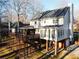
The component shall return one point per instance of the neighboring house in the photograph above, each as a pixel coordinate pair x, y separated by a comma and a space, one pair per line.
14, 26
3, 27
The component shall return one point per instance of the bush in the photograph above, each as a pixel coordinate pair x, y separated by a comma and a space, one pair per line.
76, 35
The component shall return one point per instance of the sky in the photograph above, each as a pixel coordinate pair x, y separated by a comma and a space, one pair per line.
54, 4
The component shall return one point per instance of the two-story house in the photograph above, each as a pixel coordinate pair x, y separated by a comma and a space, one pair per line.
54, 25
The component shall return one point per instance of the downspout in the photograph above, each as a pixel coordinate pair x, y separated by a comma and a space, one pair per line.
0, 28
71, 23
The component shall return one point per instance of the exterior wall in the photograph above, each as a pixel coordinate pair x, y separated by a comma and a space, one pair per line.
46, 33
63, 31
60, 32
61, 21
66, 25
46, 22
37, 31
32, 23
51, 21
35, 23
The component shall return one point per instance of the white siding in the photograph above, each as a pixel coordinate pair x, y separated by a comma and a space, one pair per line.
61, 21
51, 21
47, 21
32, 23
46, 33
35, 23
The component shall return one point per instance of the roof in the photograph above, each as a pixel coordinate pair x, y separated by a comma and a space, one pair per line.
20, 24
27, 27
2, 16
51, 26
52, 13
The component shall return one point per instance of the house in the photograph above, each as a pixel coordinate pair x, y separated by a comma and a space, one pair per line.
54, 25
3, 24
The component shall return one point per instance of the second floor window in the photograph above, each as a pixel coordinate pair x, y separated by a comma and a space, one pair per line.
61, 21
44, 21
35, 22
55, 21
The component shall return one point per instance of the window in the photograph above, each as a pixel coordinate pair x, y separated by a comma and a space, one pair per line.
61, 21
55, 21
53, 34
42, 32
60, 33
44, 21
45, 33
48, 33
37, 30
35, 22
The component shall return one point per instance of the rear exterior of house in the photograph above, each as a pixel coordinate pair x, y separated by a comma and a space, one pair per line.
54, 25
46, 25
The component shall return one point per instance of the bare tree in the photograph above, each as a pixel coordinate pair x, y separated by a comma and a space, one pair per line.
3, 3
35, 7
76, 25
25, 8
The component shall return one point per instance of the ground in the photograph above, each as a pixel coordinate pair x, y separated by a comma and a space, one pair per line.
73, 55
14, 46
71, 52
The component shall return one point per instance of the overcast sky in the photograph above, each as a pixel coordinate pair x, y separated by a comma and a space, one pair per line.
53, 4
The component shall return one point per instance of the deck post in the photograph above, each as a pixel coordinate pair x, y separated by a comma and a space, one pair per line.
55, 48
64, 44
56, 38
46, 45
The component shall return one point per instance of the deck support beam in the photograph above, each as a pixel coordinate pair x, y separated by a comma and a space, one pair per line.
56, 39
55, 48
46, 45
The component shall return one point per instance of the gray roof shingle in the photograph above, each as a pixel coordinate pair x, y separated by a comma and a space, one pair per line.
52, 13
